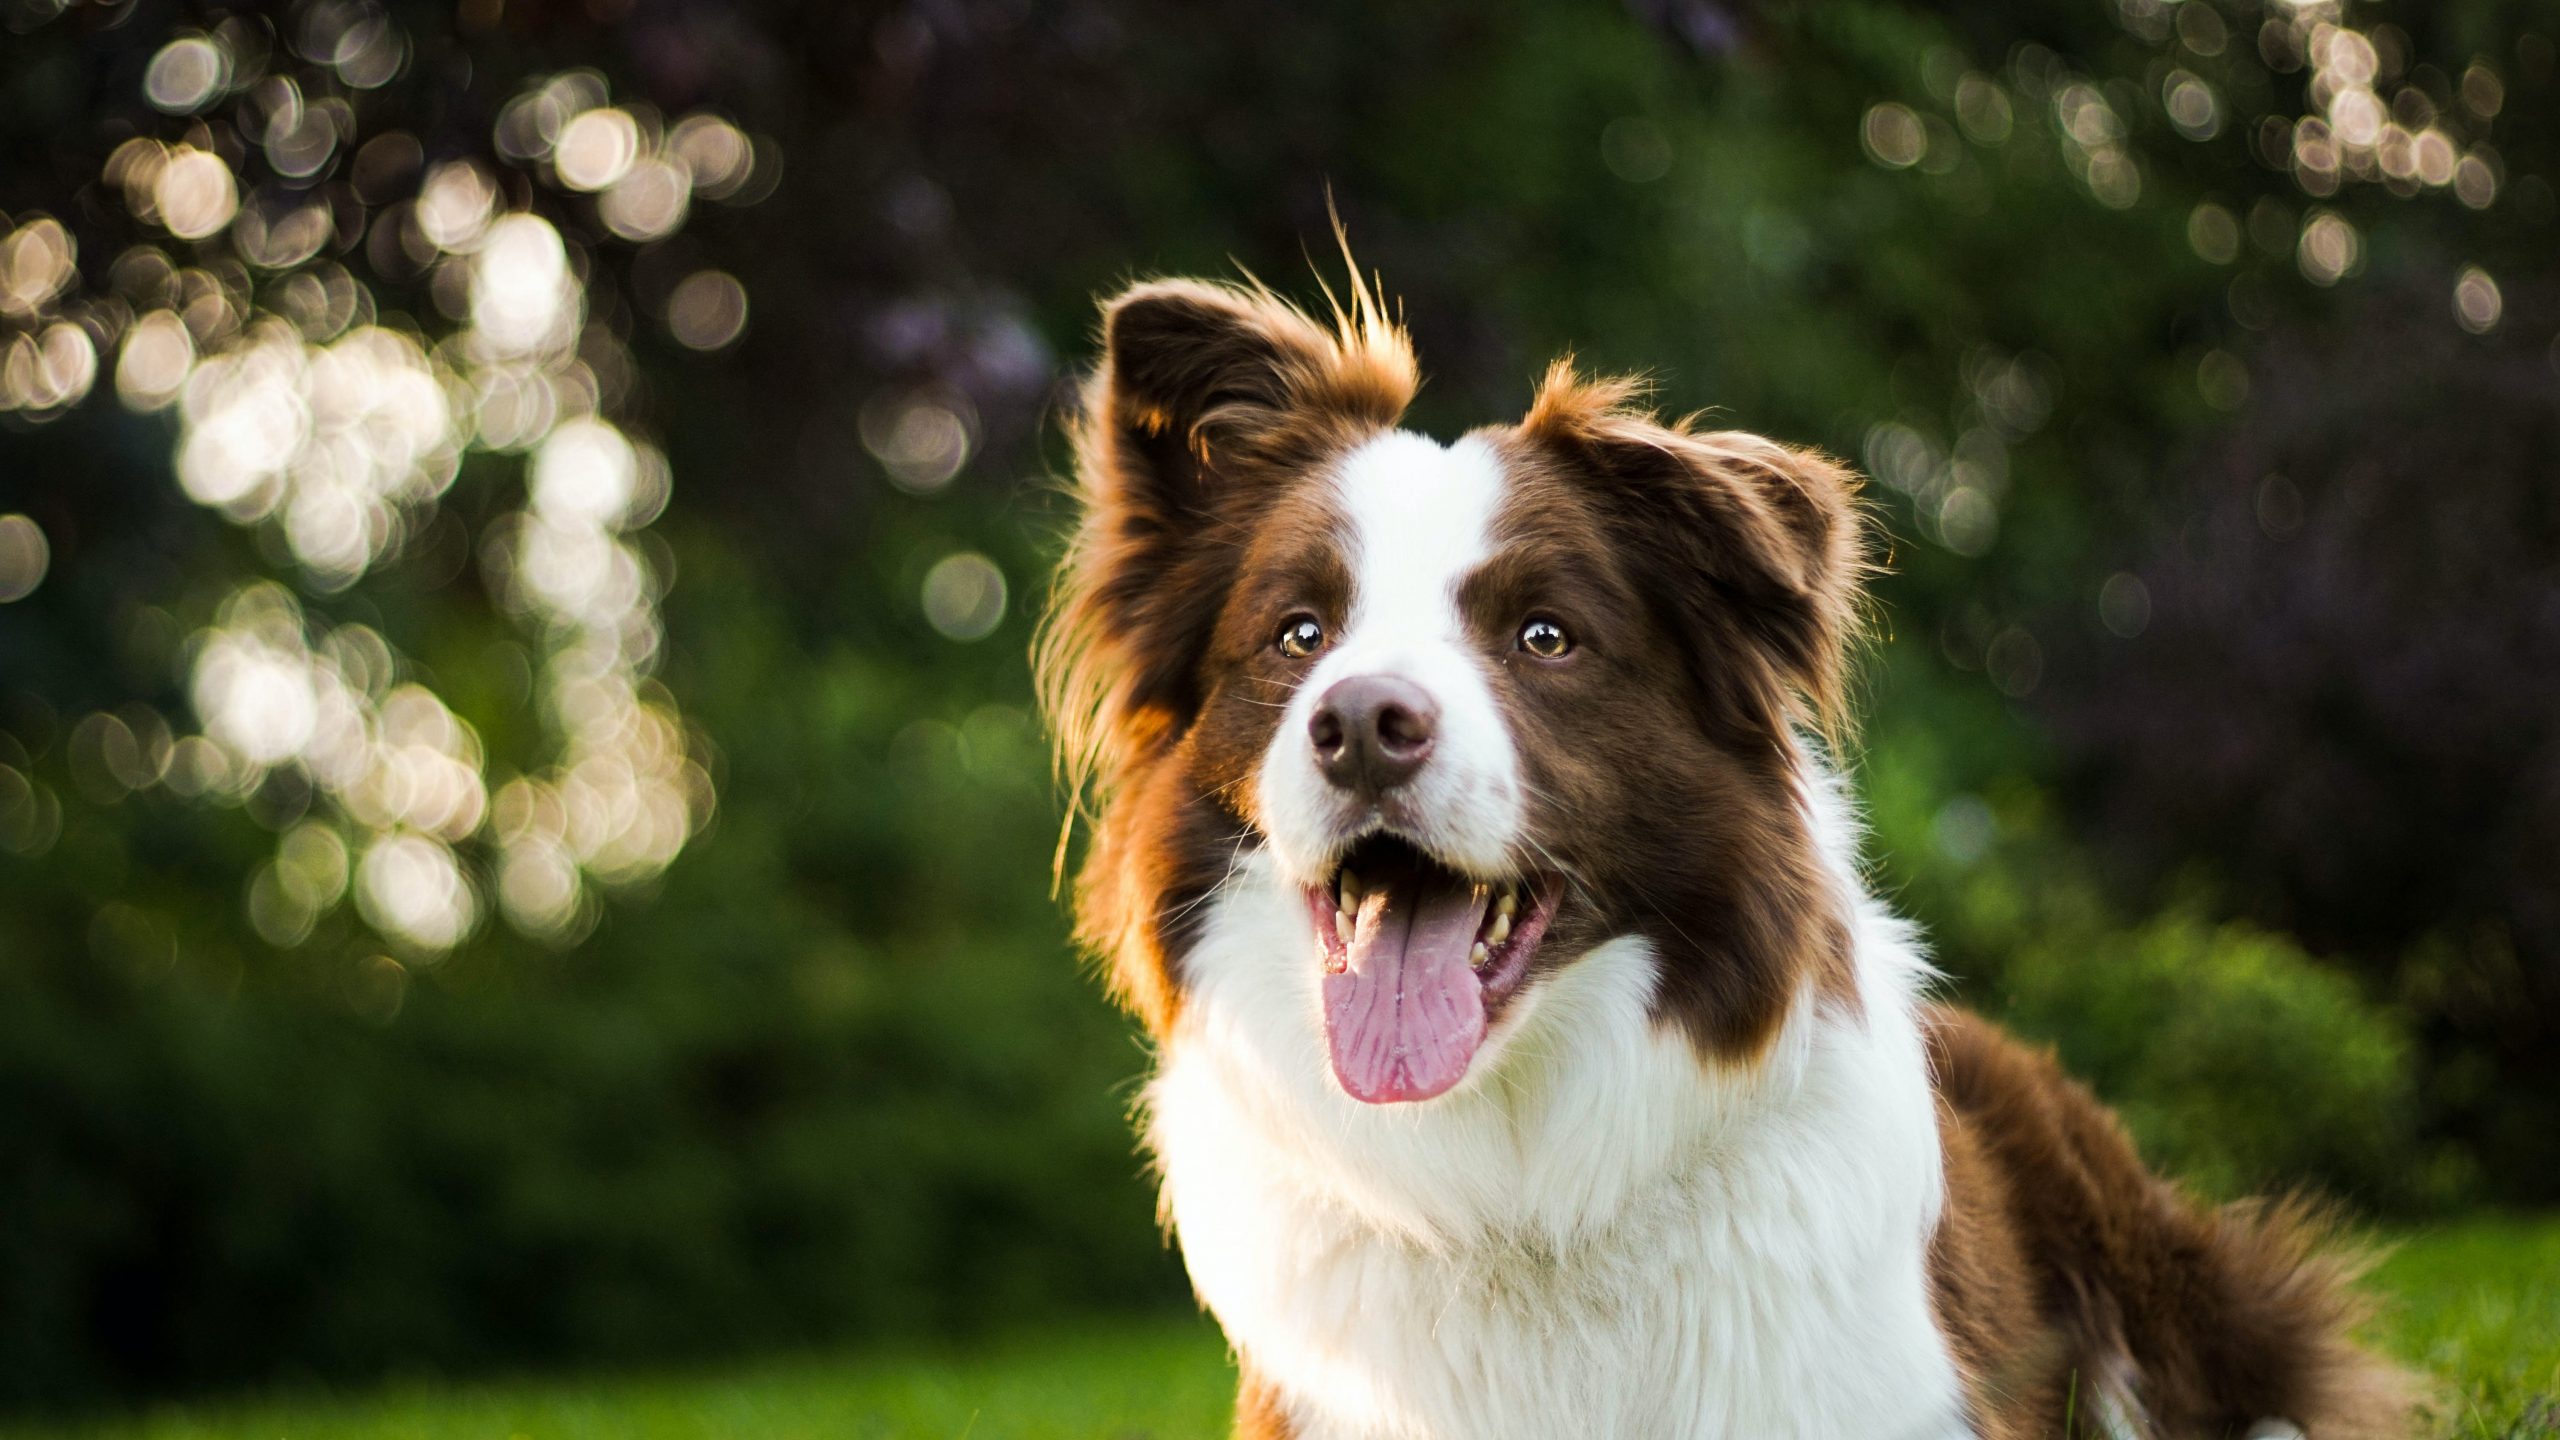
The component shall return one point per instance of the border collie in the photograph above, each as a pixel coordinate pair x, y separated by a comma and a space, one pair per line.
1531, 1058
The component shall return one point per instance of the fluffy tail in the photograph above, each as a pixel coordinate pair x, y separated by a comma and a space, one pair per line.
2282, 1279
2160, 1318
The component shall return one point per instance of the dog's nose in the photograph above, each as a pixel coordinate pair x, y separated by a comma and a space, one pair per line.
1372, 732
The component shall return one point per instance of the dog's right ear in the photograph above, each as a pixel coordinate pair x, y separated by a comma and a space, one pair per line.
1202, 385
1209, 400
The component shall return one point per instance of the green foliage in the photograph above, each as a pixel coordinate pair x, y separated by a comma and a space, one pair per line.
2239, 1062
839, 1078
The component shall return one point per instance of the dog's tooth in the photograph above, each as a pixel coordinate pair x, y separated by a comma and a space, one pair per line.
1342, 926
1479, 957
1350, 891
1507, 906
1501, 930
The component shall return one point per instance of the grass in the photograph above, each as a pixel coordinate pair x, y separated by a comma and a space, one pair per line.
1116, 1381
2477, 1304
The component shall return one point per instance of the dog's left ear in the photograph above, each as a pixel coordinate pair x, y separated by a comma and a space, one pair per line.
1757, 550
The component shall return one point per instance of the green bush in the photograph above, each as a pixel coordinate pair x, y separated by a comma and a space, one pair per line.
838, 1077
2239, 1062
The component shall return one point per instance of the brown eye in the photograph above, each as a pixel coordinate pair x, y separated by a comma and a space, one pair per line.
1301, 636
1544, 639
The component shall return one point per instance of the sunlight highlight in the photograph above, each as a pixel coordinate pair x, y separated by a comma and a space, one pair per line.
337, 432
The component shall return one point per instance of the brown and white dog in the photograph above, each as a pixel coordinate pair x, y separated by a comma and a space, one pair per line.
1532, 1059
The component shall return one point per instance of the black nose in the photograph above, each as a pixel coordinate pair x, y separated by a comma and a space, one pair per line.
1372, 732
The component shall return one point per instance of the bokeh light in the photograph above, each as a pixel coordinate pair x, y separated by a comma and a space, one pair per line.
411, 886
187, 74
715, 153
337, 440
707, 310
2359, 134
2369, 116
24, 557
337, 432
1893, 136
2330, 249
523, 299
193, 194
584, 475
2124, 605
921, 437
1968, 522
2192, 105
2477, 304
596, 149
36, 263
964, 596
2214, 233
455, 205
2094, 135
2222, 380
1983, 110
649, 201
30, 813
48, 370
158, 354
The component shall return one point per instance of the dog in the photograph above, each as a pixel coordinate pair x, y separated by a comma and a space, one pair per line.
1531, 1059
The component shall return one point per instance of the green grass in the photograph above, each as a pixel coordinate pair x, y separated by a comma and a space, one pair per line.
1117, 1381
2477, 1304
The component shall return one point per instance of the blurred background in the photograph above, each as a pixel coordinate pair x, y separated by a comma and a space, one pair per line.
522, 839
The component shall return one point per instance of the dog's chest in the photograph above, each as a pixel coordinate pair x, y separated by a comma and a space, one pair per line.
1678, 1337
1594, 1237
1749, 1299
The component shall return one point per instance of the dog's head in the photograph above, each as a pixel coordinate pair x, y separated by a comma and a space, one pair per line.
1484, 706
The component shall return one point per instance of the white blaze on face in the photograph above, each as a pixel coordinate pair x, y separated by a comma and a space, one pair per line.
1418, 518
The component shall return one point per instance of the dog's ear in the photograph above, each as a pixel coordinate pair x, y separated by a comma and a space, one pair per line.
1206, 388
1756, 550
1208, 402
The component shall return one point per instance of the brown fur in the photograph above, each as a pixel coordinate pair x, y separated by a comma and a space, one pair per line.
1766, 545
1661, 758
1259, 1412
1712, 582
1212, 402
2065, 1272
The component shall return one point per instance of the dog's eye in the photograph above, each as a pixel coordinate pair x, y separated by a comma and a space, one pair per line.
1545, 639
1300, 636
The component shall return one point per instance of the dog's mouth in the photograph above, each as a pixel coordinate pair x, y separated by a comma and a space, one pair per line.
1419, 959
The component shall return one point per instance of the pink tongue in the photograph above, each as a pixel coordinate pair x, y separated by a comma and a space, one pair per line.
1405, 1018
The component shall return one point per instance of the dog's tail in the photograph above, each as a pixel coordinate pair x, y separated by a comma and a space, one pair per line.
2160, 1316
2281, 1277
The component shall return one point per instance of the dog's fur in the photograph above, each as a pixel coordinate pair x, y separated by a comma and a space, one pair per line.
1719, 1168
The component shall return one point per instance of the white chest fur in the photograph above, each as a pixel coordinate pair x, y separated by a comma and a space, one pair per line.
1593, 1236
